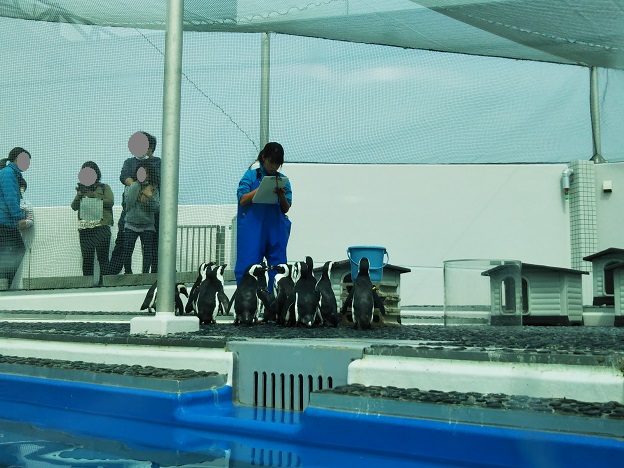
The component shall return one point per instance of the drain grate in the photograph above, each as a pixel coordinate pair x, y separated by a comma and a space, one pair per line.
287, 391
281, 375
273, 458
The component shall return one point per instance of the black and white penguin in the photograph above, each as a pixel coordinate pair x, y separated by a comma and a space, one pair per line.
149, 302
306, 300
288, 315
360, 299
284, 290
202, 271
245, 299
211, 298
180, 290
327, 304
265, 297
310, 264
224, 302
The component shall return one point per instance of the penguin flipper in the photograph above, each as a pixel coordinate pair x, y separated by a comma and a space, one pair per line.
224, 303
230, 306
347, 301
150, 297
189, 305
378, 302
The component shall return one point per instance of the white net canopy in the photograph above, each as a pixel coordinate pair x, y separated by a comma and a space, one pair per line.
352, 82
588, 32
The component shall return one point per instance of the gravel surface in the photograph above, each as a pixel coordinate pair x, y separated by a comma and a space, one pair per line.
560, 406
596, 341
594, 344
119, 369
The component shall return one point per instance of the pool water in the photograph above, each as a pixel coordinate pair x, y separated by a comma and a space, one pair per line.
57, 422
25, 445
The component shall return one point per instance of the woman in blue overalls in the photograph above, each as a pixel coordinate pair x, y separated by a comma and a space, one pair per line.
262, 229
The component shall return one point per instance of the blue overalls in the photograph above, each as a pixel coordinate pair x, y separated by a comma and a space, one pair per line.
262, 229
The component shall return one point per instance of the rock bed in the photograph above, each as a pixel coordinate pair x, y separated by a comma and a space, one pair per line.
596, 341
119, 369
561, 406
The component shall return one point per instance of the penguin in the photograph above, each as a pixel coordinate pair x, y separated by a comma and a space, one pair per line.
361, 298
310, 264
312, 279
211, 299
180, 290
288, 314
224, 302
191, 305
245, 300
284, 292
306, 300
149, 302
265, 297
328, 306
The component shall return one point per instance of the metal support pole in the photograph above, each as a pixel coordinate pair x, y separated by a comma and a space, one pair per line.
165, 321
265, 72
170, 158
594, 109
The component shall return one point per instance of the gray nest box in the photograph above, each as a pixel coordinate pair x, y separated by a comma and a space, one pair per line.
546, 296
616, 271
605, 264
389, 288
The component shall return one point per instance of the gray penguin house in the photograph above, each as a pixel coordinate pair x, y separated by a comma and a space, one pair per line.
389, 289
547, 295
603, 264
615, 271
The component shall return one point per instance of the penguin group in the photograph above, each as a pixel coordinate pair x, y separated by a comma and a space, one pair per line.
298, 299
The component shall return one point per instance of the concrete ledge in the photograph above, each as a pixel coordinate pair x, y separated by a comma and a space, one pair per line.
171, 357
585, 383
96, 299
186, 277
361, 403
58, 282
139, 279
119, 375
500, 355
52, 316
164, 323
144, 279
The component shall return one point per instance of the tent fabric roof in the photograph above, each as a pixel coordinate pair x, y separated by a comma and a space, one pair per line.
581, 32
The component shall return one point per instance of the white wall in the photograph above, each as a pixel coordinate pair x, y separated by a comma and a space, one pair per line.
610, 206
426, 214
422, 214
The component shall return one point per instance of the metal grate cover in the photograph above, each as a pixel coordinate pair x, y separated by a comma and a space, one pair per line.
279, 375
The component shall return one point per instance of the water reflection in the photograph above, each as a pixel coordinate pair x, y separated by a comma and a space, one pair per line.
24, 445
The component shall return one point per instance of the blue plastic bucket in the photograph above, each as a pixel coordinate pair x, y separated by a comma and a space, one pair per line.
377, 258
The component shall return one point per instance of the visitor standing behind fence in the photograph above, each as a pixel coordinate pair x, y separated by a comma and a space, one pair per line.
142, 145
142, 203
12, 218
94, 202
262, 229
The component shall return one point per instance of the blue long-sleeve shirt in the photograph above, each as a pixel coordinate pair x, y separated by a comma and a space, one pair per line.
251, 175
10, 211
